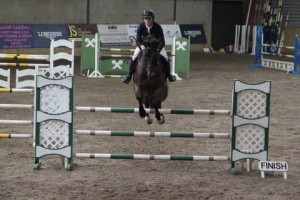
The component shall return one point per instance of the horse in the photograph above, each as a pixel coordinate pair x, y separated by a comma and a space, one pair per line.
150, 82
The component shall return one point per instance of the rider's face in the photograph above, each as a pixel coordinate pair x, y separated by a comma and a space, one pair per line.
148, 21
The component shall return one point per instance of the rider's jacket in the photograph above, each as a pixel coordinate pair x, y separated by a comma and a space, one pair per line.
156, 30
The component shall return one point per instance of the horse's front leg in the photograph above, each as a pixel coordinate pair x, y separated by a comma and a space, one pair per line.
142, 111
159, 117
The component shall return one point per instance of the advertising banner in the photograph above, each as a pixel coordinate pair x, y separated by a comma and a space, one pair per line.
76, 31
43, 34
113, 34
15, 36
170, 30
131, 30
30, 36
195, 31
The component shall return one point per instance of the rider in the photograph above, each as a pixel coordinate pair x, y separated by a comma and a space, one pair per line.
149, 27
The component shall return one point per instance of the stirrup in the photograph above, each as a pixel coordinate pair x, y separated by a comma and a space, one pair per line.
172, 78
126, 79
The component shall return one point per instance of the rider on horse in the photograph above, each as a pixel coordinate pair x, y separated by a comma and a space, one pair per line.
149, 27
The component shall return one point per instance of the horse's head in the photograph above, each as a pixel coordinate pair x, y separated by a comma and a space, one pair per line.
151, 57
150, 42
151, 63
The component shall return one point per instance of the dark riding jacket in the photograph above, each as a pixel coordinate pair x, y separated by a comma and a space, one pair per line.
156, 30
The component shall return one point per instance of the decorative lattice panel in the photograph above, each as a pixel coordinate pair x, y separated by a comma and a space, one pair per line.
54, 99
56, 72
54, 134
251, 104
250, 138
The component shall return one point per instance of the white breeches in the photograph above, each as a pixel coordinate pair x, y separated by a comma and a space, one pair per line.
162, 52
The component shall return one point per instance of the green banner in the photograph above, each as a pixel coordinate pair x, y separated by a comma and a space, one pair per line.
182, 58
87, 54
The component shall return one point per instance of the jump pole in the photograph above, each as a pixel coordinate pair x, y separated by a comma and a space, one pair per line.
151, 157
7, 135
15, 90
16, 106
23, 122
163, 111
22, 64
24, 57
184, 134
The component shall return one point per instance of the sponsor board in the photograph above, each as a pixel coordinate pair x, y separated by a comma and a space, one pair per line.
111, 34
170, 31
15, 36
195, 32
39, 35
44, 34
77, 31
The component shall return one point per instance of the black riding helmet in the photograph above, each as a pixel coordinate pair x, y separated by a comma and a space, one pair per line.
148, 13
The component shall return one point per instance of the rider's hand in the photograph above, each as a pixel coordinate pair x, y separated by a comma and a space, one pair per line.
142, 47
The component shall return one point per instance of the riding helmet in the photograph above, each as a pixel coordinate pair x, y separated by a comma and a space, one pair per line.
148, 13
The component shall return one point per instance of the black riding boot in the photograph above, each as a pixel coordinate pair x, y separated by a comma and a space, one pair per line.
126, 79
168, 71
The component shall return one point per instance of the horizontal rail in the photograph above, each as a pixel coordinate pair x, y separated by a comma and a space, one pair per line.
285, 47
24, 57
16, 106
152, 157
275, 54
184, 134
15, 90
15, 121
116, 56
116, 49
164, 111
7, 135
23, 64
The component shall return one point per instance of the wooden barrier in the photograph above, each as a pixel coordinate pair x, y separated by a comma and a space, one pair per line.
95, 63
249, 135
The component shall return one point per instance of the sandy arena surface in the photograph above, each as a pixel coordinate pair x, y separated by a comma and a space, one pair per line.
209, 87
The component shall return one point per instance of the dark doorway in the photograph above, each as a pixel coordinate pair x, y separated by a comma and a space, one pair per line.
225, 15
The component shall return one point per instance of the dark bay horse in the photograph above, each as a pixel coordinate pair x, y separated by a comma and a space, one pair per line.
150, 83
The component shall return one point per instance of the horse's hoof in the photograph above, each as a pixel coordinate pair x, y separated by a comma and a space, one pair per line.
149, 120
162, 120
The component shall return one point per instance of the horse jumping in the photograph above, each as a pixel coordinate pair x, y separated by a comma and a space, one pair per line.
150, 82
